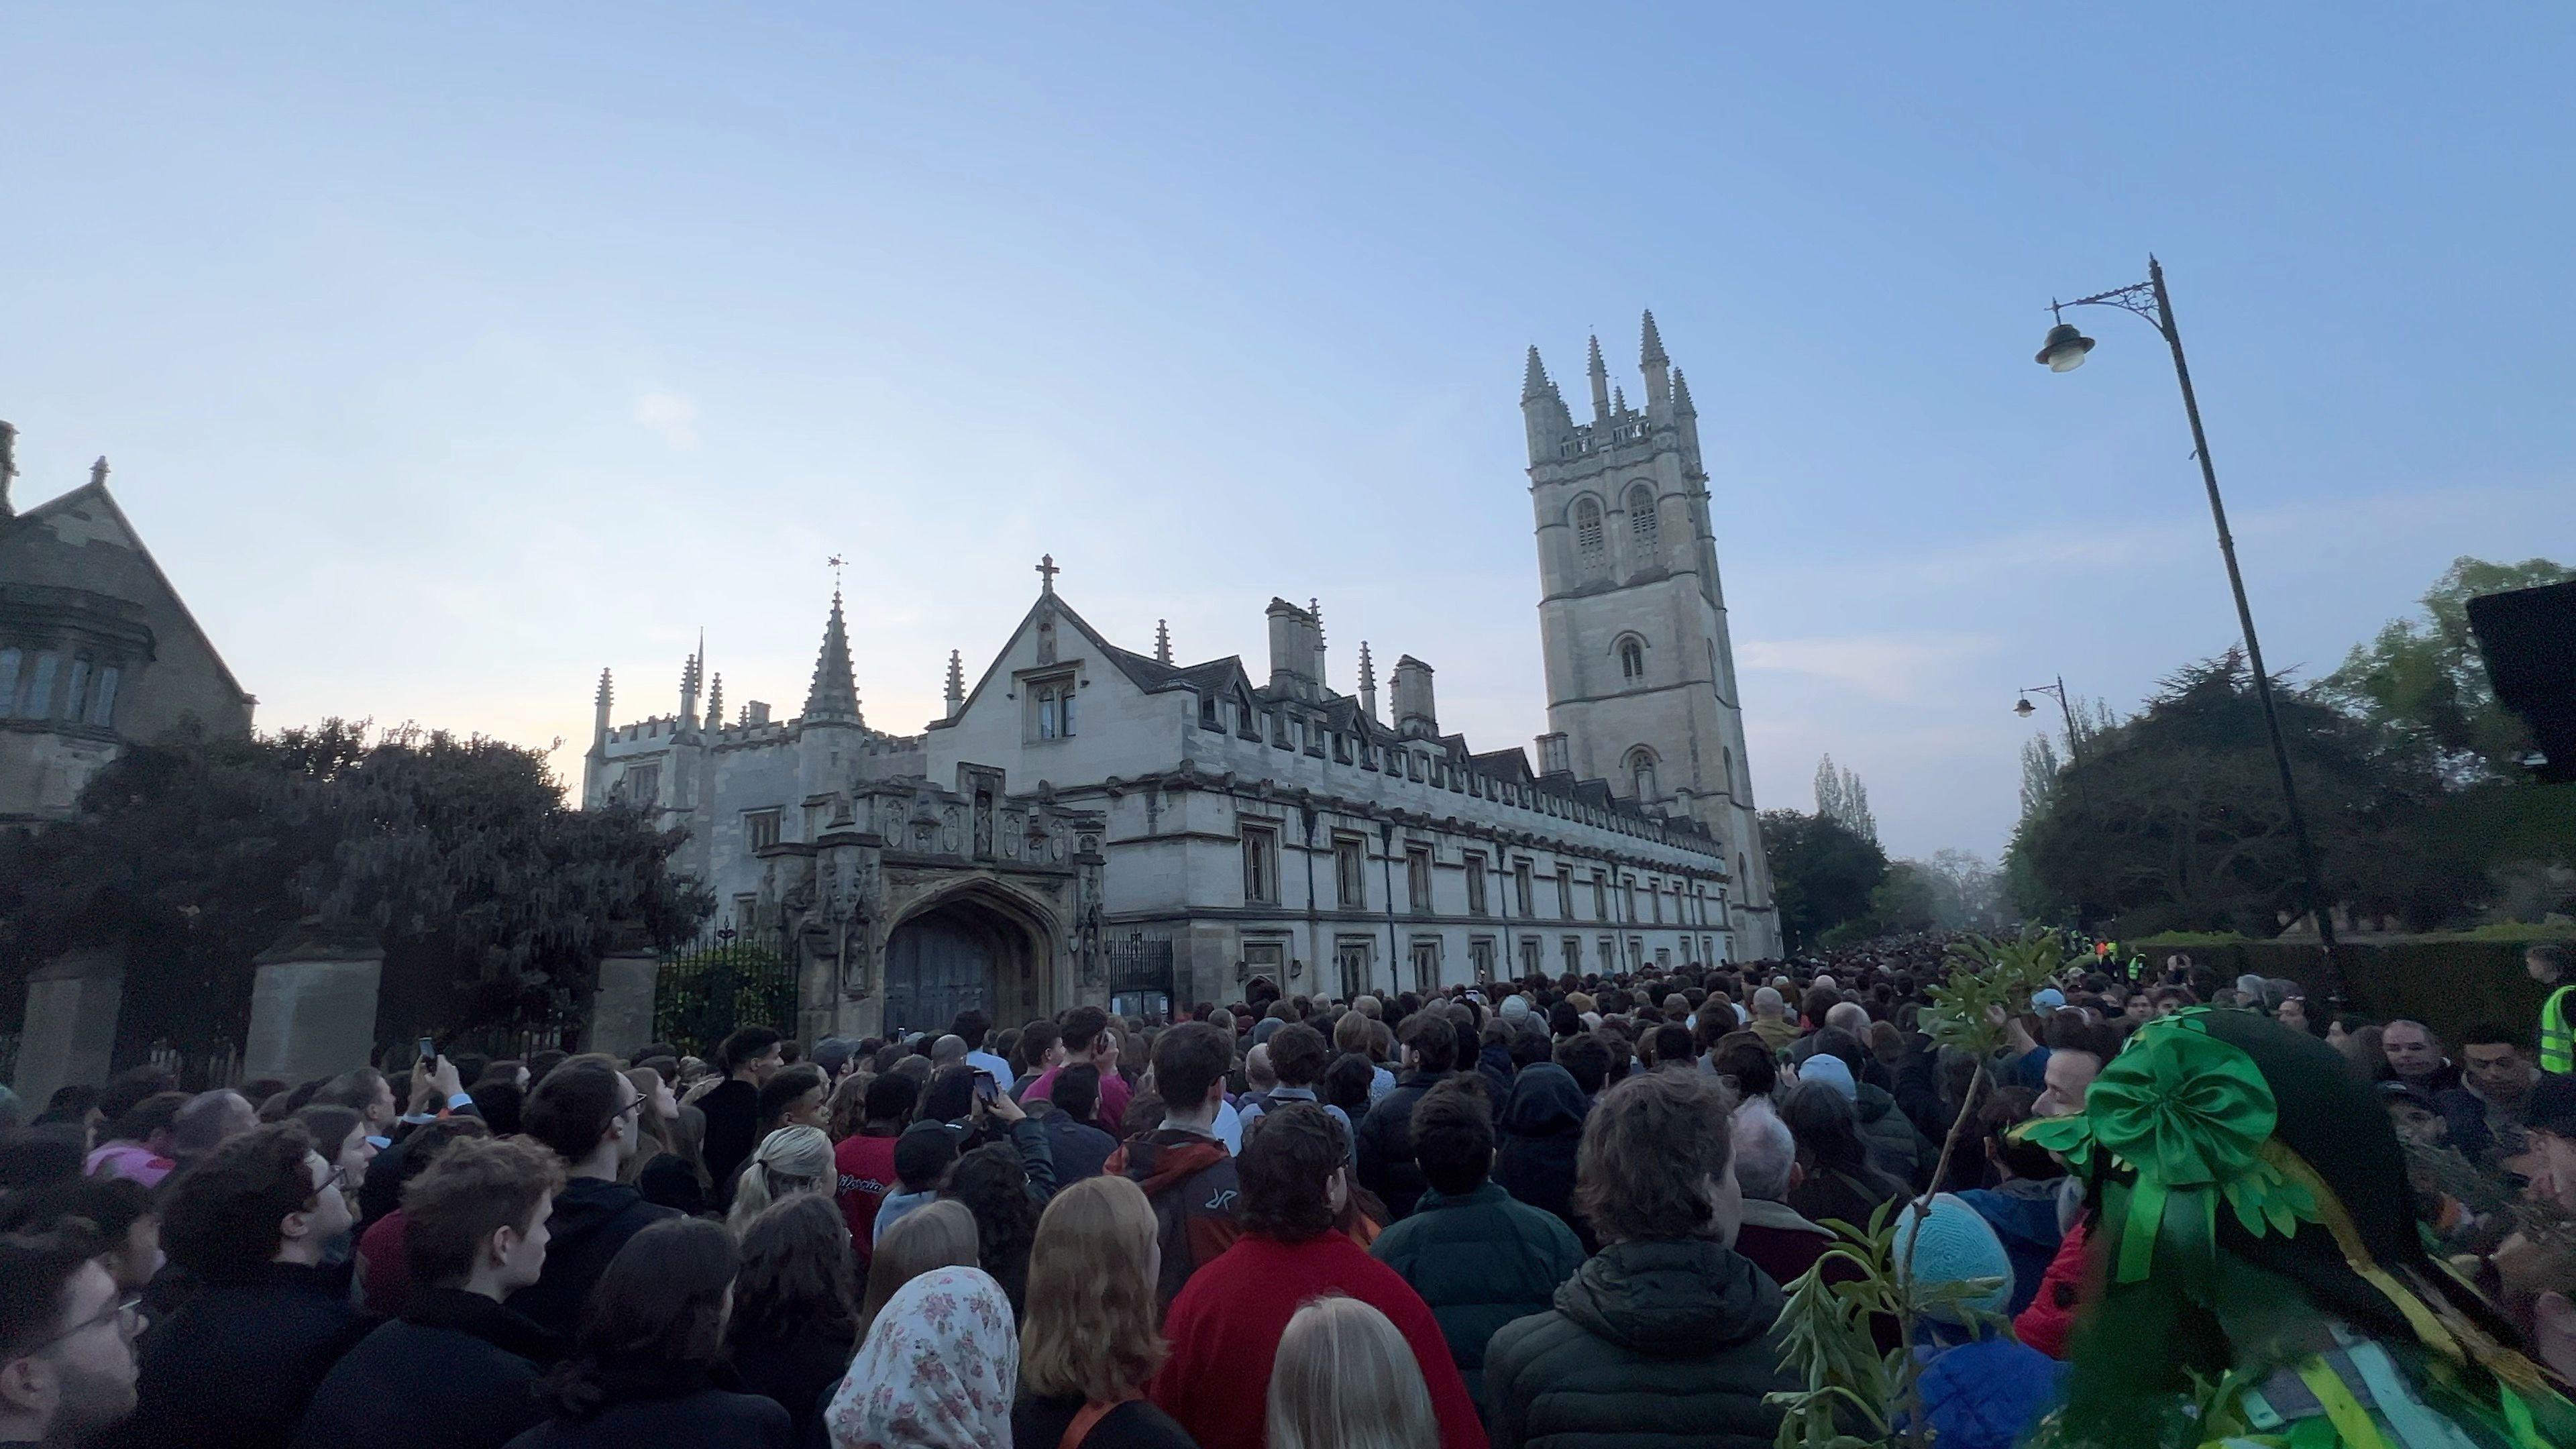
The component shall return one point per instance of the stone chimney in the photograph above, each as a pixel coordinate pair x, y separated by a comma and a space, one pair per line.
1415, 716
1295, 640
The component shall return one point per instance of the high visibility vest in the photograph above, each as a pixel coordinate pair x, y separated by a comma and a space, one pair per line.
2557, 1043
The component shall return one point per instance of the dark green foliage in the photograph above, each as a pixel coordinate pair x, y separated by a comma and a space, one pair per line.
492, 899
1821, 873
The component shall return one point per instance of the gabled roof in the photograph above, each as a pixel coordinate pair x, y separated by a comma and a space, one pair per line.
95, 494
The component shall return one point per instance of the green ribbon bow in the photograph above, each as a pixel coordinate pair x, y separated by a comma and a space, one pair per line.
2192, 1117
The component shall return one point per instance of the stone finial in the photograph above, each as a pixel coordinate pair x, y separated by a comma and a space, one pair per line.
1681, 396
1368, 682
1534, 383
1651, 350
715, 703
956, 682
1046, 574
1162, 641
1618, 401
1600, 384
607, 690
98, 472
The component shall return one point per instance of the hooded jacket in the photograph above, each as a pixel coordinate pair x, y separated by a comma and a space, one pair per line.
1190, 1180
457, 1369
593, 1218
1537, 1134
2023, 1213
1494, 1065
1650, 1343
1895, 1148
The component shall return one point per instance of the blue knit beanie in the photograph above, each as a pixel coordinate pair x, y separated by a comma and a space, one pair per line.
1956, 1244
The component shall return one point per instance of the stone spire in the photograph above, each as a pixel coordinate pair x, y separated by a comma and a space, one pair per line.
599, 728
1534, 383
1162, 641
1681, 396
1654, 364
1618, 402
1368, 682
715, 703
834, 697
1315, 607
693, 675
956, 683
1600, 384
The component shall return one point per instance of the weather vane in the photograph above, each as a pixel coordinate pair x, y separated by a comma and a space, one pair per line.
836, 561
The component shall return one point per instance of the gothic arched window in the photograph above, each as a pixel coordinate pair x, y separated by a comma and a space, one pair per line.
1050, 722
1641, 514
1587, 533
1729, 752
1632, 659
1641, 773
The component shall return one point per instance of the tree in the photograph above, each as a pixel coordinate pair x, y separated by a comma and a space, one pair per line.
493, 901
2422, 686
1841, 797
1822, 873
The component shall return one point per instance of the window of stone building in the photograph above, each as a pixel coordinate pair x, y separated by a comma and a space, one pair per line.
1600, 896
1480, 955
1609, 953
76, 690
1263, 958
1727, 753
1342, 749
746, 910
1475, 883
1260, 864
1641, 515
1664, 957
1530, 955
102, 701
1426, 964
1628, 887
1632, 659
1350, 871
1574, 954
642, 783
1521, 898
1636, 950
1565, 893
1354, 961
759, 829
1207, 712
1417, 877
1655, 899
1641, 774
10, 659
1587, 534
38, 701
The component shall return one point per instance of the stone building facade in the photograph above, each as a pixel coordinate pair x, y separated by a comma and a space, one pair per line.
1088, 822
97, 651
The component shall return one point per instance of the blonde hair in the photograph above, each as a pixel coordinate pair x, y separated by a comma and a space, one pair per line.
656, 1132
790, 1160
933, 1236
1345, 1378
1091, 1302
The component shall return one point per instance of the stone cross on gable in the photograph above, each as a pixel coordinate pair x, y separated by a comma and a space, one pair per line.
1047, 572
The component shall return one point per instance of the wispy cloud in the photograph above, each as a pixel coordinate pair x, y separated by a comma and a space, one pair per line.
670, 415
1883, 666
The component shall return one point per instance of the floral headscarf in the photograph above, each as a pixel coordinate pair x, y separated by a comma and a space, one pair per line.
938, 1370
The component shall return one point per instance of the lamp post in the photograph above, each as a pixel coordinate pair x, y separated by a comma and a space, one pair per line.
2024, 708
2064, 351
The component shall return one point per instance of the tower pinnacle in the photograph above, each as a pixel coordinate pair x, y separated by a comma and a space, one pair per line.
1534, 383
834, 697
1162, 641
1600, 384
1368, 682
1652, 349
956, 683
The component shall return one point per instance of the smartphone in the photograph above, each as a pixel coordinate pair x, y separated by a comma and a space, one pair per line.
429, 1051
987, 1086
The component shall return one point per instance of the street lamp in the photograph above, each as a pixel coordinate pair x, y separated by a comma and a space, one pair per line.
2024, 708
2064, 351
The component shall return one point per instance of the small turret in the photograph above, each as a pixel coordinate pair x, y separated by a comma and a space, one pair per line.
956, 683
1542, 410
1368, 682
1600, 385
1162, 641
1415, 715
599, 727
715, 703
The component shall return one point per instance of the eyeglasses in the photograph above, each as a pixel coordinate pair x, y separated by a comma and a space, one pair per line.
339, 1179
126, 1313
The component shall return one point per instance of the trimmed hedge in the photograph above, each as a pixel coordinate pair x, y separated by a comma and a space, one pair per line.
2447, 985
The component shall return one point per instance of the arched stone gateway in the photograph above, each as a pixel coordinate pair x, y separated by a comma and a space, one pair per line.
974, 947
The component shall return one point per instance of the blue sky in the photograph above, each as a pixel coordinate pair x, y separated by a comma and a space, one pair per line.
446, 355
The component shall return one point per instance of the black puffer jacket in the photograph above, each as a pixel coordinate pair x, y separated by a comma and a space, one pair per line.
1649, 1344
1537, 1134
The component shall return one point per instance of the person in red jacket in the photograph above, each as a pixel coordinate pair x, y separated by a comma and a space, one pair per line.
1225, 1326
863, 1163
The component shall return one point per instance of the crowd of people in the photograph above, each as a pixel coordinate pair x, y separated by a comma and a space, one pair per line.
1559, 1211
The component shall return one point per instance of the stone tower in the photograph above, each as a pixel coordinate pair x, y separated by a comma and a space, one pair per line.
1632, 619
